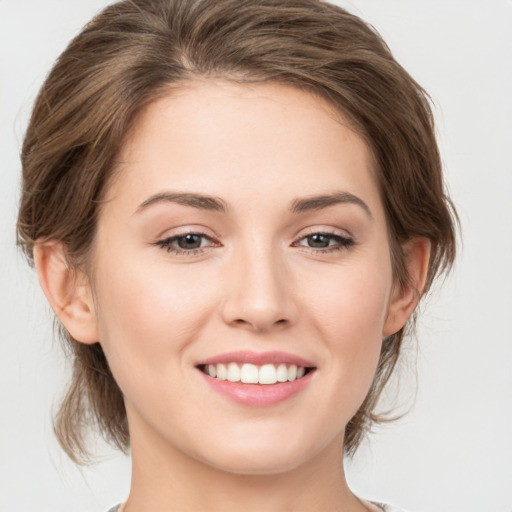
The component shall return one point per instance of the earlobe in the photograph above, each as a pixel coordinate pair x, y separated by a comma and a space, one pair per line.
67, 290
405, 299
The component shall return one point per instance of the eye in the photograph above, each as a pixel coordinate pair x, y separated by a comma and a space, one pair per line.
325, 241
187, 243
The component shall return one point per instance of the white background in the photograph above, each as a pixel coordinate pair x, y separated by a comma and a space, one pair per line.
453, 452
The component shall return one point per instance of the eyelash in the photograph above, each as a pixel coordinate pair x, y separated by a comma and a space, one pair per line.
342, 243
167, 244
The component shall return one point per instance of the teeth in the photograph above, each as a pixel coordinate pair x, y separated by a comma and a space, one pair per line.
222, 372
268, 374
233, 372
249, 374
282, 373
252, 374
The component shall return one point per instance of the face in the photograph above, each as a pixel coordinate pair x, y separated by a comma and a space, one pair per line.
244, 237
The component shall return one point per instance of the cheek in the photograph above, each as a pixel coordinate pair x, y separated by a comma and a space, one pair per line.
351, 319
148, 314
352, 305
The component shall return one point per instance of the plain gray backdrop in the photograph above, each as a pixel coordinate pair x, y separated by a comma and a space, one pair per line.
453, 451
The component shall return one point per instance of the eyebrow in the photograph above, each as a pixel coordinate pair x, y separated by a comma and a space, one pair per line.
324, 201
200, 201
216, 204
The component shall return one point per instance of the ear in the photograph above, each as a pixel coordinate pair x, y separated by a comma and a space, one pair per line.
405, 299
68, 291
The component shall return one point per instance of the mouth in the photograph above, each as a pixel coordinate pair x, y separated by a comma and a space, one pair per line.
257, 379
248, 373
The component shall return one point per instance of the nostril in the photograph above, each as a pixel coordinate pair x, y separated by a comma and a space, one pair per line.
259, 324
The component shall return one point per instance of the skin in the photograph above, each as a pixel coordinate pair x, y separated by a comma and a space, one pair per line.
255, 284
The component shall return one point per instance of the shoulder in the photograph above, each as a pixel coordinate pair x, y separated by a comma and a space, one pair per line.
379, 506
385, 507
117, 508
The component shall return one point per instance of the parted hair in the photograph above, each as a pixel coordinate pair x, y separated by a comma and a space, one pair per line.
136, 51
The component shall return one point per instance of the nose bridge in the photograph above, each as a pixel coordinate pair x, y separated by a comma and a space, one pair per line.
258, 295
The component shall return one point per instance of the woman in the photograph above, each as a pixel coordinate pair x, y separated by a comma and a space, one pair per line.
234, 209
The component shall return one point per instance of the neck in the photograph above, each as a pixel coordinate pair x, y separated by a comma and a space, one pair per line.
165, 479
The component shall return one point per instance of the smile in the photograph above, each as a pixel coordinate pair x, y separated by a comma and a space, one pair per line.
249, 373
257, 379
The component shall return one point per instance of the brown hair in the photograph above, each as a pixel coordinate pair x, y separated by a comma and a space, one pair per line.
136, 51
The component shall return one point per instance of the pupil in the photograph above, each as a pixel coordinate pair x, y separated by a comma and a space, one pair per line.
318, 240
189, 242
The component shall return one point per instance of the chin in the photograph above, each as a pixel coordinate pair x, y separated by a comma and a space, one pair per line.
257, 458
256, 465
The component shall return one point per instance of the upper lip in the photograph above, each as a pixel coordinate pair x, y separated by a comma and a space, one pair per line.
257, 358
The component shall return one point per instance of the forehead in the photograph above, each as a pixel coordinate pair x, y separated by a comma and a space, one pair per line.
216, 137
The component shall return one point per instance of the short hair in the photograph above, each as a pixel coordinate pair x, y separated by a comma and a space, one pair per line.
137, 51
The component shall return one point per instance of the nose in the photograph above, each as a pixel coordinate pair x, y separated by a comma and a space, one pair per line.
259, 292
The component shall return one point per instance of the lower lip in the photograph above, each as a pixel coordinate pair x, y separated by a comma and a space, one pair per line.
258, 395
